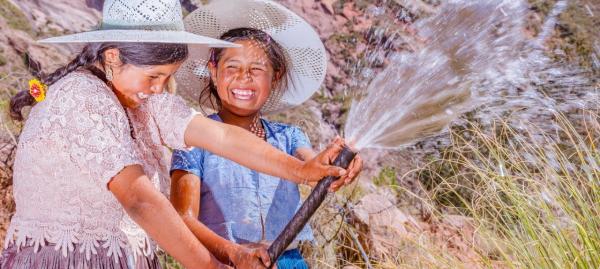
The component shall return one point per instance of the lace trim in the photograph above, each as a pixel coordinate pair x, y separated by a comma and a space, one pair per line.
39, 234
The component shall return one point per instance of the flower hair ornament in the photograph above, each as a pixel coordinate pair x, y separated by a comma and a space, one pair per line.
37, 89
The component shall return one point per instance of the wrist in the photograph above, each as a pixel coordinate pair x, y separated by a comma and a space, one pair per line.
231, 250
299, 176
213, 263
219, 265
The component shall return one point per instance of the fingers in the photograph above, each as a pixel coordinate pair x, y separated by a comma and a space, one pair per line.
354, 169
352, 173
326, 171
263, 254
323, 162
336, 171
332, 151
336, 185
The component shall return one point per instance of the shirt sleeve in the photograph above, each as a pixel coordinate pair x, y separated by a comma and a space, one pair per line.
94, 127
299, 140
187, 160
172, 116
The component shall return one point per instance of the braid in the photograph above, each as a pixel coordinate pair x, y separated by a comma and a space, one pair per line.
22, 99
88, 56
18, 102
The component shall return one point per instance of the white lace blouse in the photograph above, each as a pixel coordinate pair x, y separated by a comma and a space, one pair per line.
73, 143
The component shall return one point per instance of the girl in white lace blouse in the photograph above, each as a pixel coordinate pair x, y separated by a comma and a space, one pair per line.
92, 154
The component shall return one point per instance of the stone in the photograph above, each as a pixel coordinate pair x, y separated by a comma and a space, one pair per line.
382, 224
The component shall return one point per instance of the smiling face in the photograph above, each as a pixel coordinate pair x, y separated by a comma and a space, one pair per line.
244, 78
133, 84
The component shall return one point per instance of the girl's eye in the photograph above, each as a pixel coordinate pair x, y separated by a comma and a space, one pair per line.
154, 77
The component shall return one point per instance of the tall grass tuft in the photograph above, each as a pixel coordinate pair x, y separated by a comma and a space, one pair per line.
533, 193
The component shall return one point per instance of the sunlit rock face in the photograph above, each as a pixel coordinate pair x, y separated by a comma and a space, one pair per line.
50, 16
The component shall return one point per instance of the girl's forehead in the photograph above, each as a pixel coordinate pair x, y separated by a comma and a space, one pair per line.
250, 50
250, 43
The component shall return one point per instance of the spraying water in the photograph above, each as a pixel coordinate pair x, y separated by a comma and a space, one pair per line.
473, 50
468, 62
548, 26
418, 95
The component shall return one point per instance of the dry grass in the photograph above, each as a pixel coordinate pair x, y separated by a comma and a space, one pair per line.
536, 199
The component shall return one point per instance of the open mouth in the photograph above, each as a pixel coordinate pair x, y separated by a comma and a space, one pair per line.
142, 95
243, 94
138, 98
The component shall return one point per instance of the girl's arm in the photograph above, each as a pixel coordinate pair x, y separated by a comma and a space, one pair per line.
185, 197
248, 150
153, 212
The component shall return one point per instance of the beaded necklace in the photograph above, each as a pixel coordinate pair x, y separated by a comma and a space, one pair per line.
257, 128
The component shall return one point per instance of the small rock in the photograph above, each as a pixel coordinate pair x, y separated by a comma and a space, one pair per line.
382, 223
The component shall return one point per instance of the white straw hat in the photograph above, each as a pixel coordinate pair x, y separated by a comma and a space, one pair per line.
305, 53
141, 21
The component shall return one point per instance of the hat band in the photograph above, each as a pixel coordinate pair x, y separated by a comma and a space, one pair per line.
149, 27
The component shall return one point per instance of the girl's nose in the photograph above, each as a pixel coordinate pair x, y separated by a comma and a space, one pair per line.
246, 75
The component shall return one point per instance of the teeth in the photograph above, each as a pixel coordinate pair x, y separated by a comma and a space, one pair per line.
243, 94
142, 95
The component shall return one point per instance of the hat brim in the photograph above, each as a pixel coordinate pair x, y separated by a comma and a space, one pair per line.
306, 56
139, 36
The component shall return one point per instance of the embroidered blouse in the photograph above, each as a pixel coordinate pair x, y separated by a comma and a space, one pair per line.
72, 145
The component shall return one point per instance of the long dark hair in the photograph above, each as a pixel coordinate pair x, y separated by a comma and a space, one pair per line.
274, 52
138, 54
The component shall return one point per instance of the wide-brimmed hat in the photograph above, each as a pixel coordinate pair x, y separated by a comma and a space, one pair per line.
305, 53
140, 21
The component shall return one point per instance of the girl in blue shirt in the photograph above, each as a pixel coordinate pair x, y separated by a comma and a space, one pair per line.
220, 199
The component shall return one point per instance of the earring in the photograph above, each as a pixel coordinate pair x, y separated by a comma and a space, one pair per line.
108, 72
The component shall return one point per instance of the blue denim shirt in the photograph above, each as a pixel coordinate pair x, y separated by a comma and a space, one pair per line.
235, 201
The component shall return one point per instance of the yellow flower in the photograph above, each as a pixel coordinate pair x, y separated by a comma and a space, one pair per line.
37, 89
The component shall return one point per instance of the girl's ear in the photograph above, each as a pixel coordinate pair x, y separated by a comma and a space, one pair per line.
212, 68
277, 77
112, 60
112, 57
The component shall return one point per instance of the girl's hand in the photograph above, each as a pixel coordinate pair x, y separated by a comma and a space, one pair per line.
312, 171
354, 170
250, 256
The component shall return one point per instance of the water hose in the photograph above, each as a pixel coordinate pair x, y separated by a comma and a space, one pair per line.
308, 208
